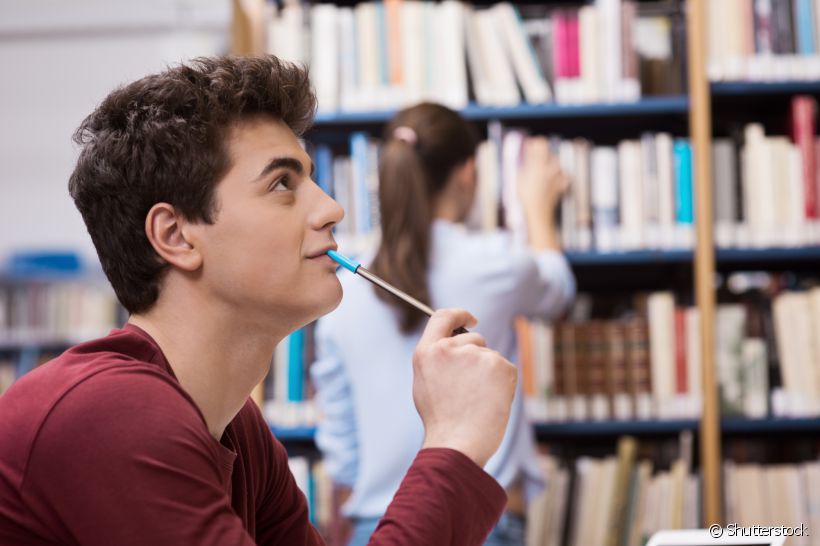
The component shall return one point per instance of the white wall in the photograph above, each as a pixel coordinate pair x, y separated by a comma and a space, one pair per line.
57, 61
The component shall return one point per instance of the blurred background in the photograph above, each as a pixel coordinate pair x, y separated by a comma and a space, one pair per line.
682, 388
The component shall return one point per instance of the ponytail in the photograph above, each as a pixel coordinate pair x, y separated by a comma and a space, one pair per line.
422, 146
406, 210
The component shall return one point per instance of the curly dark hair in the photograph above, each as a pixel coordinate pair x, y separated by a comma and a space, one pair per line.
163, 138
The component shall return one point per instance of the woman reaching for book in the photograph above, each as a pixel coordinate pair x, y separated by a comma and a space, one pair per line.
370, 429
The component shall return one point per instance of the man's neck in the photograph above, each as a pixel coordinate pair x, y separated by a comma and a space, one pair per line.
217, 360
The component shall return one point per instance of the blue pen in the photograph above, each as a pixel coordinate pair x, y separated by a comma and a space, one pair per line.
356, 267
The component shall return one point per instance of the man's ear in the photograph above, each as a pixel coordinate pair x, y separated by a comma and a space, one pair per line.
165, 229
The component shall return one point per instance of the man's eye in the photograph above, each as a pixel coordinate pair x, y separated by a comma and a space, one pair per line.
281, 184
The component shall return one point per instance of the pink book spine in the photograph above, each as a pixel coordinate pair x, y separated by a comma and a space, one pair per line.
559, 30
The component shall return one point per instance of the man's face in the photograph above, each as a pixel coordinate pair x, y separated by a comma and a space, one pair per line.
264, 256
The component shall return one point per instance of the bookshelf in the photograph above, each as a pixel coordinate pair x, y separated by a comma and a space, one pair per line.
703, 112
547, 432
671, 105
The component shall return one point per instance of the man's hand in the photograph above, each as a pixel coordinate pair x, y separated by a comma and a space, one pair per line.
462, 390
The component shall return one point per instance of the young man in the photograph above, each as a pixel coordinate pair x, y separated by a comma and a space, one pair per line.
199, 200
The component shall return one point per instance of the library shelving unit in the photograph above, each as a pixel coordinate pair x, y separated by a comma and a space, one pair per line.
689, 115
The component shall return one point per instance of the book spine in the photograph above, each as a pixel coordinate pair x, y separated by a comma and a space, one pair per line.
803, 121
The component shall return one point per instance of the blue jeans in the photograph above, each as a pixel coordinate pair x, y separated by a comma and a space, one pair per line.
509, 531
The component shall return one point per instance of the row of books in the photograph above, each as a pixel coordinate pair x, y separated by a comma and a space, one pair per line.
775, 495
636, 195
384, 55
647, 364
624, 499
763, 40
766, 187
613, 501
286, 394
633, 196
49, 312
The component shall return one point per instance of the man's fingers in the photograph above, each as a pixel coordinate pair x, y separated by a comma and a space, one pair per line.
471, 338
442, 324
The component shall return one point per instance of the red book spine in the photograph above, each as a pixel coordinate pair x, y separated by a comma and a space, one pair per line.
680, 351
803, 114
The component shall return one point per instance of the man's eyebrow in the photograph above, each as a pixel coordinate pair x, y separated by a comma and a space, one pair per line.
288, 163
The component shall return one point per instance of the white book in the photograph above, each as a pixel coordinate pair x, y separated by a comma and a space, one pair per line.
631, 195
756, 169
559, 508
287, 34
566, 158
798, 357
797, 496
715, 31
367, 44
505, 91
476, 58
348, 60
324, 60
590, 53
582, 192
661, 317
413, 50
280, 370
794, 207
604, 198
691, 501
511, 155
779, 186
610, 47
520, 52
666, 189
300, 468
751, 494
449, 72
649, 191
811, 477
604, 499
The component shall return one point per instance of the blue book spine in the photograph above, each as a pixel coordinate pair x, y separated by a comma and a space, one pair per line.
296, 369
361, 195
381, 36
323, 159
804, 24
684, 208
311, 496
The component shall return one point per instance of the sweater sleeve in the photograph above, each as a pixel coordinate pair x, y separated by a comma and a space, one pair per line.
336, 433
545, 283
444, 499
124, 459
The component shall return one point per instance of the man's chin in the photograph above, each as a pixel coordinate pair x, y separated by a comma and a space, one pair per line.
330, 300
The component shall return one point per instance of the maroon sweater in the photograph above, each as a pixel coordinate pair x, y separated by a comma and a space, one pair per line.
102, 446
